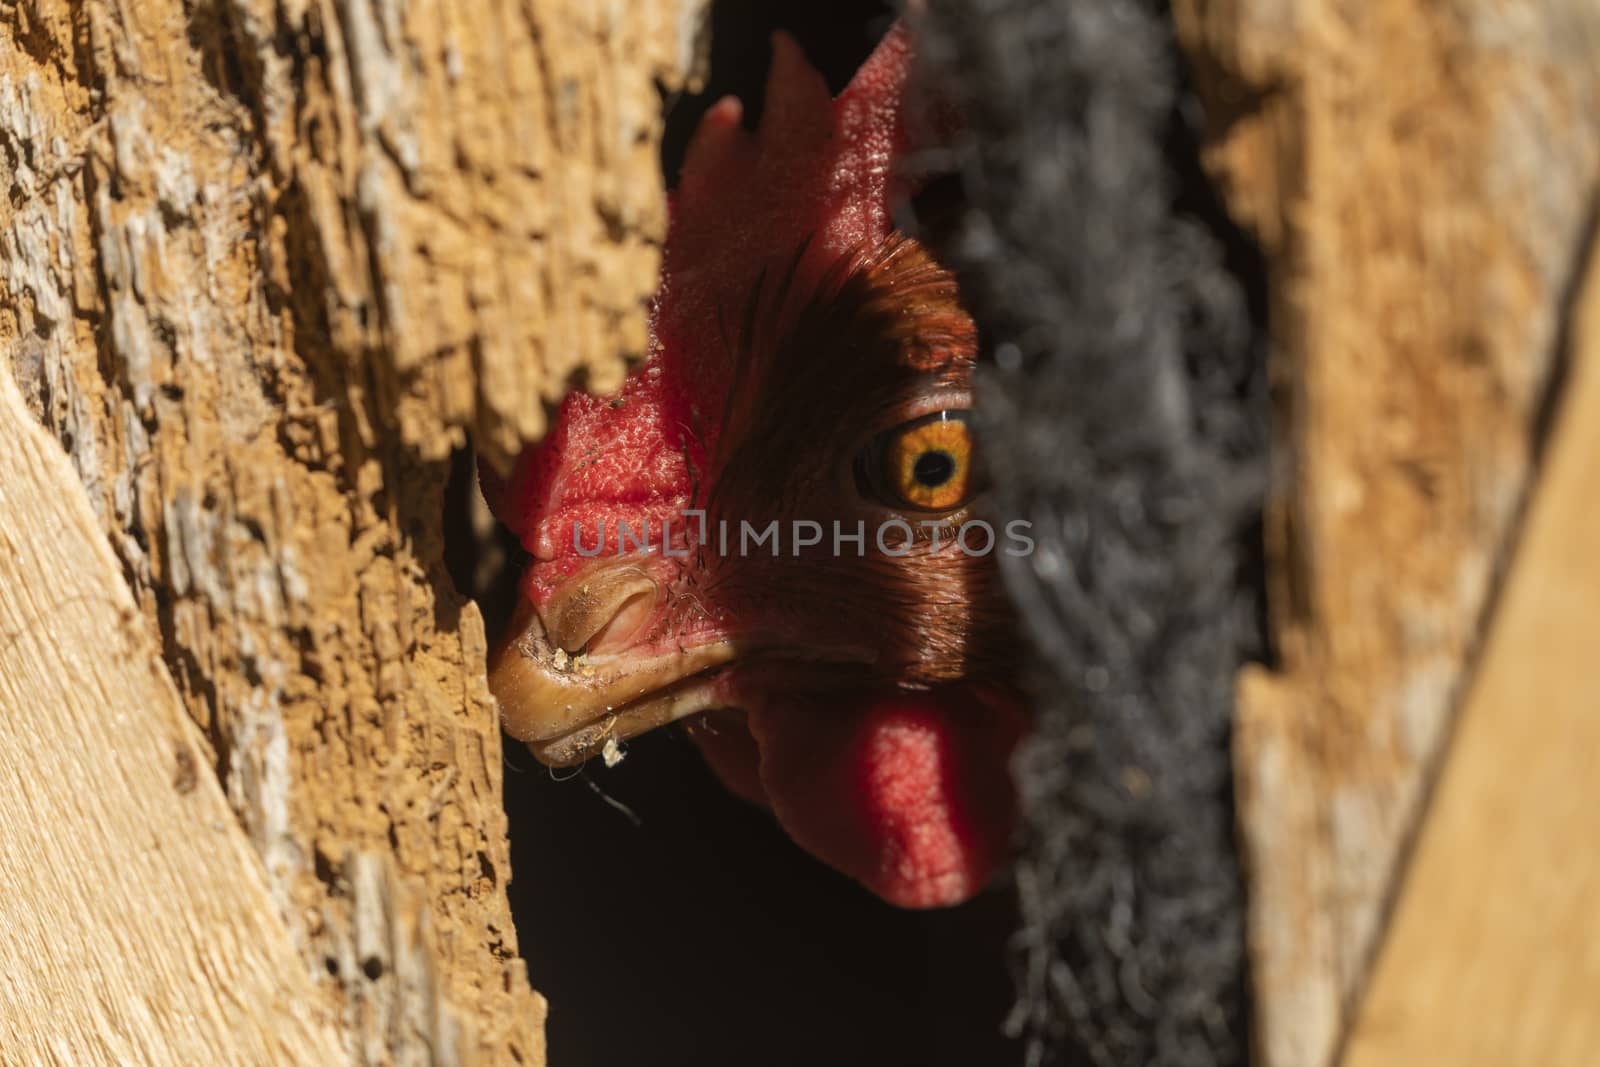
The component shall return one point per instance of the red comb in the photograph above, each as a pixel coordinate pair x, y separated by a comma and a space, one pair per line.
819, 173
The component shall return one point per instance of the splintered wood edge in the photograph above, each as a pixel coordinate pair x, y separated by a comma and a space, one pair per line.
1493, 954
138, 923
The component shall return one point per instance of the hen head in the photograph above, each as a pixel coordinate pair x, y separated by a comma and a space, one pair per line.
764, 528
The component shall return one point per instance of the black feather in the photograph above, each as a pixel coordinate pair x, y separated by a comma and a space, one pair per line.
1124, 414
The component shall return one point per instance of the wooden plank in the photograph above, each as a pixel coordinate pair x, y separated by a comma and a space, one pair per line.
1493, 954
1418, 175
138, 926
264, 267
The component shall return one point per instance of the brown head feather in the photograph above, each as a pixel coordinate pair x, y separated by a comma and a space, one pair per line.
820, 374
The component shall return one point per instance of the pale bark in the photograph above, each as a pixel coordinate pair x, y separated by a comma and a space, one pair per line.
263, 264
138, 924
1423, 177
1493, 955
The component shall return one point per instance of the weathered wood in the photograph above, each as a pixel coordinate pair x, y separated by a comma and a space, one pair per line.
1420, 174
138, 925
263, 265
1493, 955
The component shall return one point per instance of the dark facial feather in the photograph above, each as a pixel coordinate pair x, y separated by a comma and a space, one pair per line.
819, 373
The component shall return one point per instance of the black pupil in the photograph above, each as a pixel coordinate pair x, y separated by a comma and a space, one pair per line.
933, 469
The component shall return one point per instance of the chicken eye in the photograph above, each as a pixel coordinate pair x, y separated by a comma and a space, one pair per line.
924, 464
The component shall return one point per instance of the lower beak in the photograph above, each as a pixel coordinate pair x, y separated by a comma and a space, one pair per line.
567, 707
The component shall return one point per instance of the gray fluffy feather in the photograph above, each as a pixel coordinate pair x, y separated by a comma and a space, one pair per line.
1124, 416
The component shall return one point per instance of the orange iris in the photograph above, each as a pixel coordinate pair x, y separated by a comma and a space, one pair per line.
929, 464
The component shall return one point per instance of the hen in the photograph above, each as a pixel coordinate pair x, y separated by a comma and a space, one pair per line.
770, 527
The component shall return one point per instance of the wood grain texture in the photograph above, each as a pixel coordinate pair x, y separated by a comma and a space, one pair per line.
264, 264
138, 924
1419, 173
1493, 954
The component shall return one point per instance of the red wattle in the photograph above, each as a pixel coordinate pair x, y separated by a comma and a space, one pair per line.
908, 793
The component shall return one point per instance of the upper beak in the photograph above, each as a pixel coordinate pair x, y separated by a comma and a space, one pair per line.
569, 677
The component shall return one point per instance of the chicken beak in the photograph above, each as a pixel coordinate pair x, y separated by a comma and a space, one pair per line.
570, 676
